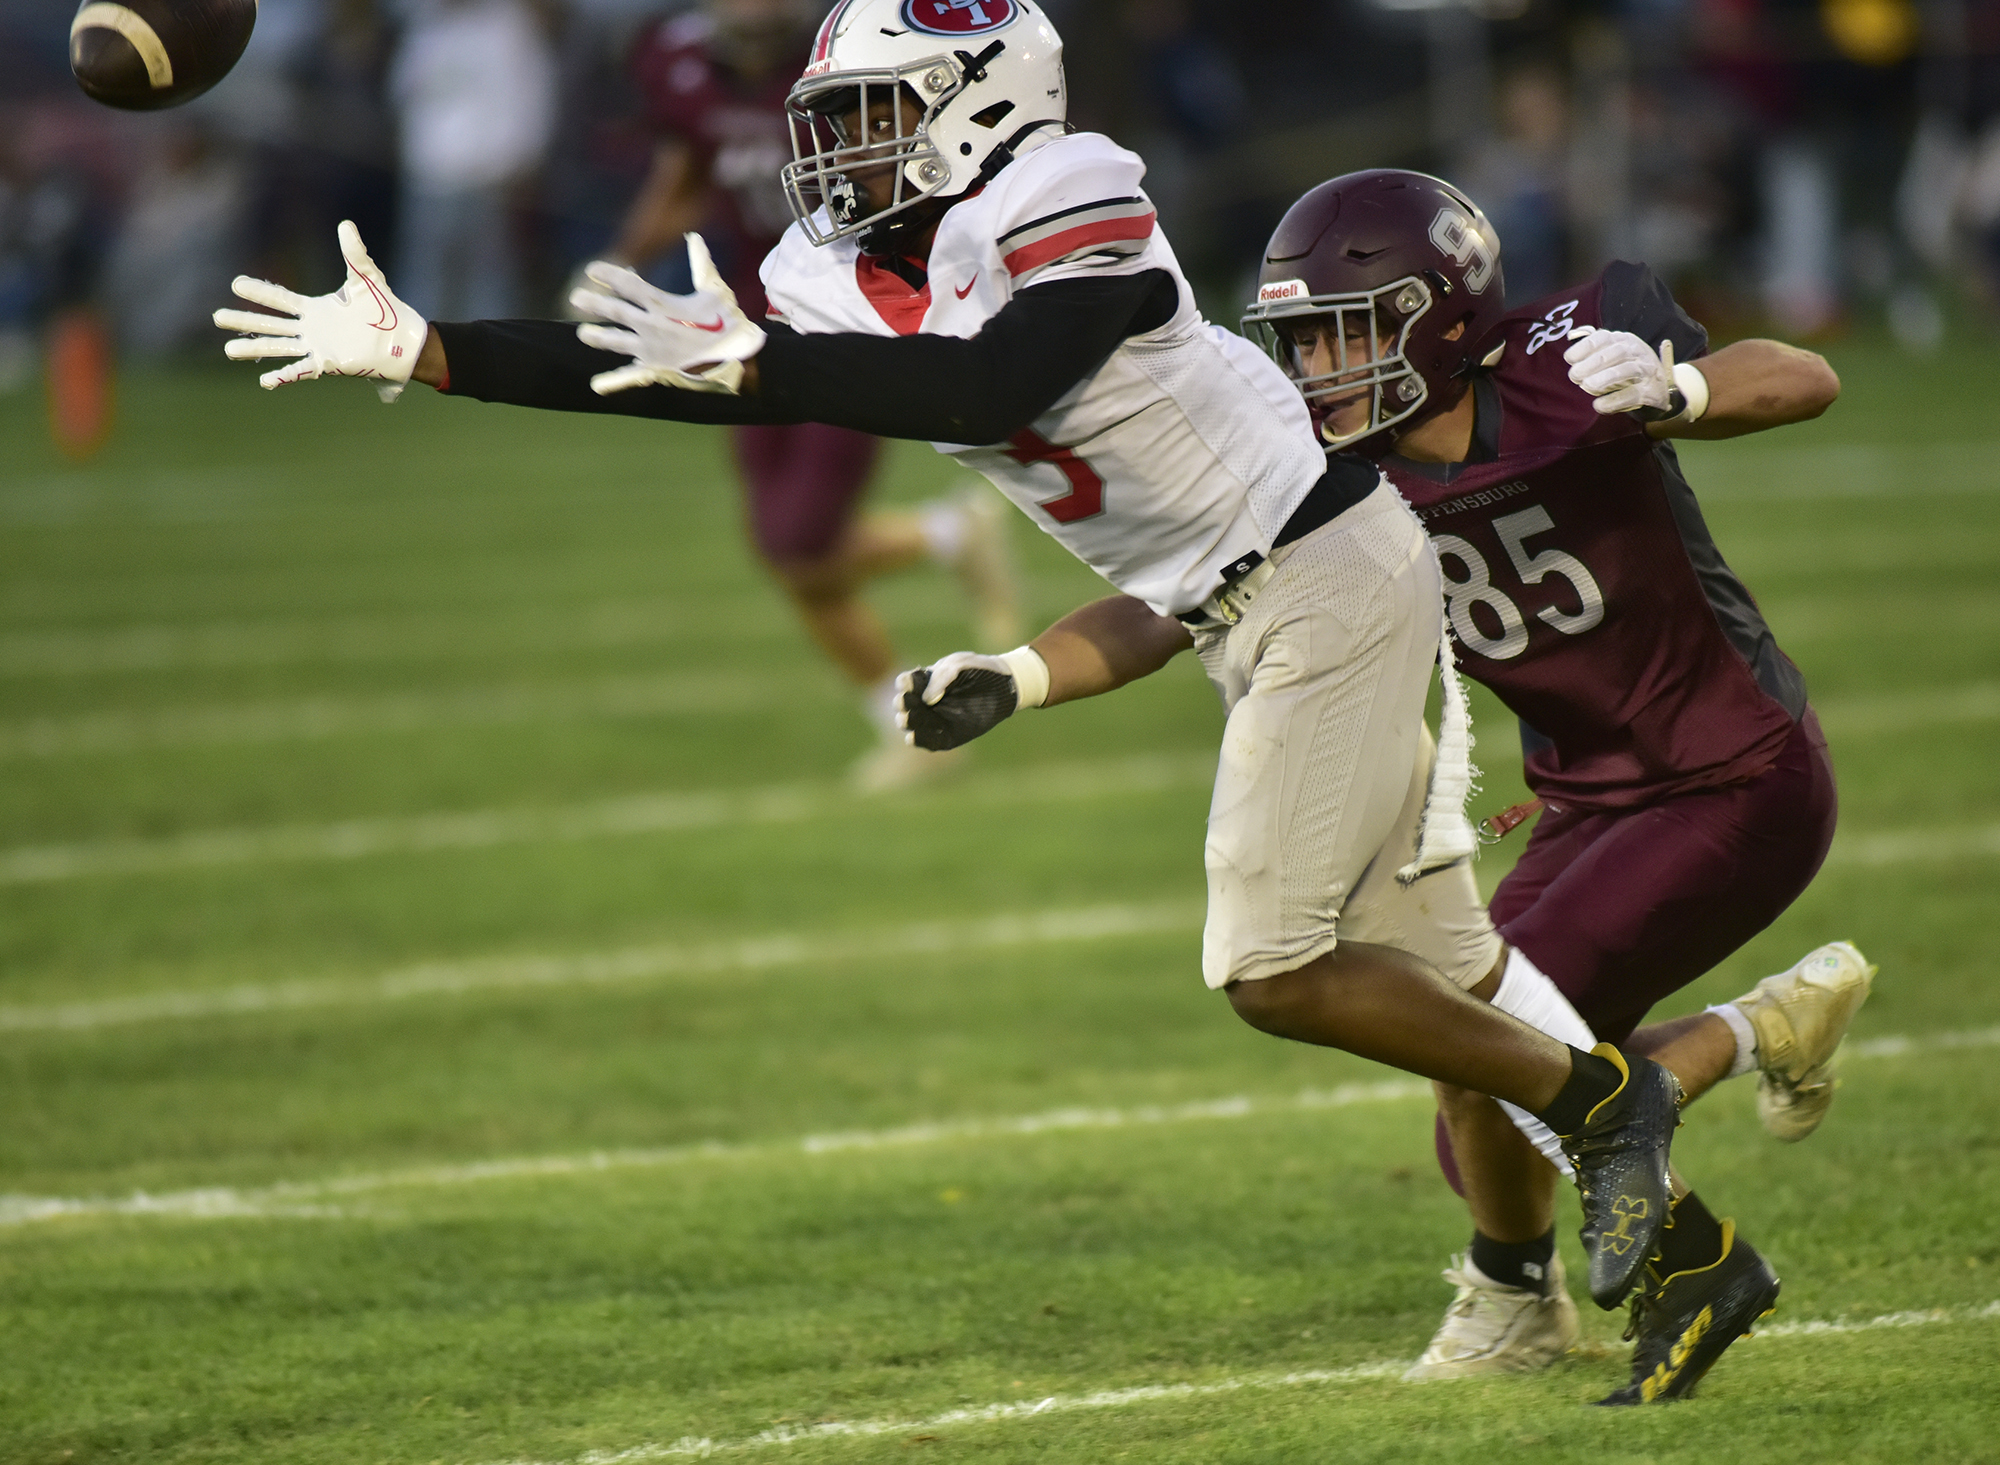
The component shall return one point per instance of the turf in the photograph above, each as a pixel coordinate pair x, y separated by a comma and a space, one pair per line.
380, 1086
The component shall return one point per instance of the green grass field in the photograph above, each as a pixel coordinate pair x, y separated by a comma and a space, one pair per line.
450, 1009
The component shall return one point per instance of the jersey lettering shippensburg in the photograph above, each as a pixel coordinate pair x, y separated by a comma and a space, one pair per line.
1185, 451
1582, 584
736, 131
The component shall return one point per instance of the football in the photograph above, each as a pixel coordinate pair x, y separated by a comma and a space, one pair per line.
151, 54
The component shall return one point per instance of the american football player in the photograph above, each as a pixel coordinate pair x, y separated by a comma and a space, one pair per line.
715, 81
1685, 788
966, 270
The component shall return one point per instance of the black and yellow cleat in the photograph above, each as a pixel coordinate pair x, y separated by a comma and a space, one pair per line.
1620, 1155
1684, 1322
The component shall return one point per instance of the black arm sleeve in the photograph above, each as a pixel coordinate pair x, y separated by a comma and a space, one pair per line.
1637, 300
540, 363
934, 388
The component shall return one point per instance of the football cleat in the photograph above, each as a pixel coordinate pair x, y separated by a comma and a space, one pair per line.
1684, 1322
984, 566
1620, 1157
1492, 1329
1800, 1016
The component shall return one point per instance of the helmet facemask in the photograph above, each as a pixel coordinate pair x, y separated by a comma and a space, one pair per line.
892, 110
1345, 351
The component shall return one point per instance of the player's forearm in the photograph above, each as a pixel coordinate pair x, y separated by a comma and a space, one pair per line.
1102, 646
1755, 385
541, 363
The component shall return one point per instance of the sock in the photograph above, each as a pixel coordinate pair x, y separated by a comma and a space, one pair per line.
1692, 1238
1746, 1038
1591, 1081
879, 703
1522, 1264
942, 523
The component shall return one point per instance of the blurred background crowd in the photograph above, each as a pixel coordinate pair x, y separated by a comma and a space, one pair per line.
1802, 166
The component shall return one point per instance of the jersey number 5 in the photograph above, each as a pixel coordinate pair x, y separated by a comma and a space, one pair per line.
1085, 499
1477, 588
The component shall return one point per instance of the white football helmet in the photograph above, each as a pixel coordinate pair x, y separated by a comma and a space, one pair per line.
981, 75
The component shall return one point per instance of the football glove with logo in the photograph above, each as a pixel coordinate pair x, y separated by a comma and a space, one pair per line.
967, 694
361, 329
1624, 374
697, 342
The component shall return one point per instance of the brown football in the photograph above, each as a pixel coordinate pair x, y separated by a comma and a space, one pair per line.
146, 54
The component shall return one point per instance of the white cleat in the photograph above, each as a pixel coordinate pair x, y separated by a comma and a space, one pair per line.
1800, 1017
984, 565
1491, 1329
889, 768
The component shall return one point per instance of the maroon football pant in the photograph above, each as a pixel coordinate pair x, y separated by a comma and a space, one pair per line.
1622, 908
802, 483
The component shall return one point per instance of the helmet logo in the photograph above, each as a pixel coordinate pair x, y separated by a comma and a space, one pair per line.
1460, 238
1282, 290
957, 17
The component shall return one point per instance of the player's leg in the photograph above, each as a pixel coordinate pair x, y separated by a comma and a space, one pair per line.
805, 484
1511, 1310
1623, 909
1325, 679
1650, 900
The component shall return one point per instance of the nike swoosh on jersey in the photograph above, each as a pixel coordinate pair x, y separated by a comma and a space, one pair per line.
961, 294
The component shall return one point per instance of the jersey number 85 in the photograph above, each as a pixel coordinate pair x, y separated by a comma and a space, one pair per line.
1477, 587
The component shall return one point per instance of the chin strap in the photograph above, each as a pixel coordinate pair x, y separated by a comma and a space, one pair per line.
1003, 154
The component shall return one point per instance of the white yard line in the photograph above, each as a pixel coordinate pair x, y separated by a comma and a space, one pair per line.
679, 695
650, 813
677, 810
628, 964
313, 1199
676, 694
297, 1198
1844, 471
691, 1448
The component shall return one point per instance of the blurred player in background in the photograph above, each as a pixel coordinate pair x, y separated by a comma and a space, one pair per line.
715, 81
1687, 794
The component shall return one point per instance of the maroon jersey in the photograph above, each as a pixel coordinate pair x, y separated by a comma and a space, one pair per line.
736, 129
1582, 584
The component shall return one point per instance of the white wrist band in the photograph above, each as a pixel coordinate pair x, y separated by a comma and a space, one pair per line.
1694, 387
1031, 675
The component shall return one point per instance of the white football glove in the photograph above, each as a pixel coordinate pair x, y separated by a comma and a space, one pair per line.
1624, 374
966, 694
361, 329
697, 342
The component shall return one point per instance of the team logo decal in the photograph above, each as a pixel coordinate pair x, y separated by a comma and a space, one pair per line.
957, 17
1460, 238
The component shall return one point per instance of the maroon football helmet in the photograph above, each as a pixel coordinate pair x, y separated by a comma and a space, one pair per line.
1361, 284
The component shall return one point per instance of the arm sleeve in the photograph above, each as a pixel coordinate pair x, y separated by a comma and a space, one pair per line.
1637, 300
932, 388
541, 363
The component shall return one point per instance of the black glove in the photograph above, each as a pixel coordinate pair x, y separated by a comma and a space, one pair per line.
953, 702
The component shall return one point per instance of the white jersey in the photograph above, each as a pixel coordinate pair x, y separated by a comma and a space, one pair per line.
1185, 451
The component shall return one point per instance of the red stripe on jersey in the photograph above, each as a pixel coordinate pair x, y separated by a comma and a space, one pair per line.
902, 308
1131, 229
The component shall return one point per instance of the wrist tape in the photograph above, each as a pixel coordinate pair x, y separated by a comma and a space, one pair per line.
1031, 675
1694, 387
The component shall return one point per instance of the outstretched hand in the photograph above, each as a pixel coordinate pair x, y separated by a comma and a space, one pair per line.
361, 329
697, 342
